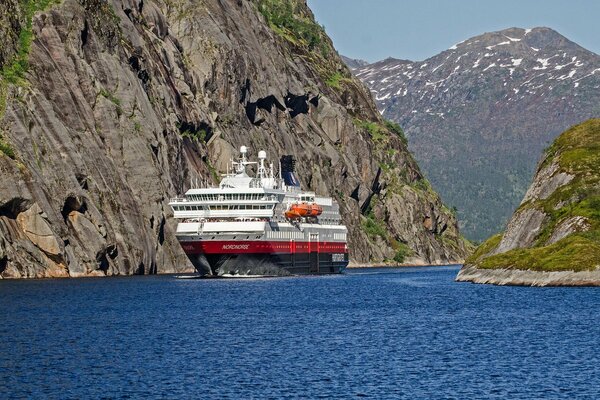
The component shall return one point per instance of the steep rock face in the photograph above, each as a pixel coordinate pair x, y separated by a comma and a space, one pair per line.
125, 103
354, 63
554, 236
478, 115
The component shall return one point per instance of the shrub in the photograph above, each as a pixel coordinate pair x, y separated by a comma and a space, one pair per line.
397, 129
6, 149
334, 80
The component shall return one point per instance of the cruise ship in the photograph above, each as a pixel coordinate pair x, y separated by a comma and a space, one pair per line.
260, 225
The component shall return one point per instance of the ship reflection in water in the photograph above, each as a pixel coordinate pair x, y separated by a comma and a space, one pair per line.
261, 225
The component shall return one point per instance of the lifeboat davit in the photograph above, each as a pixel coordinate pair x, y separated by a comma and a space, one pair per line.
300, 210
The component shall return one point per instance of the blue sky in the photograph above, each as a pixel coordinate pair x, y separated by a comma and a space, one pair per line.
418, 29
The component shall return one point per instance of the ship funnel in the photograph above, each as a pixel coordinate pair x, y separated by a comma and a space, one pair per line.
288, 167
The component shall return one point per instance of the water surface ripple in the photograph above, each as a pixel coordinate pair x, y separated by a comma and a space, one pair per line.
378, 333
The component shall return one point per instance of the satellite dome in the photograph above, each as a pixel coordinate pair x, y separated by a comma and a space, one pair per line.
262, 155
243, 149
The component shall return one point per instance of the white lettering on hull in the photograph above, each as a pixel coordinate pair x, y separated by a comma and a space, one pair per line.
236, 246
337, 257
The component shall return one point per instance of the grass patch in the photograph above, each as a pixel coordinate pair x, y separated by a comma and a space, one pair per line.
374, 228
376, 131
113, 99
402, 251
14, 72
573, 253
292, 21
287, 20
334, 80
484, 248
6, 149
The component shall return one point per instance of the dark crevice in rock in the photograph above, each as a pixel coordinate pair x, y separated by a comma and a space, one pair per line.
14, 207
141, 269
134, 62
83, 181
142, 74
141, 6
375, 189
267, 103
73, 203
129, 12
154, 150
315, 101
251, 114
443, 229
112, 251
355, 192
102, 261
161, 231
245, 91
144, 77
103, 255
3, 264
152, 222
85, 33
297, 104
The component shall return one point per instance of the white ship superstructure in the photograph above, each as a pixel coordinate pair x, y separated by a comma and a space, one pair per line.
261, 225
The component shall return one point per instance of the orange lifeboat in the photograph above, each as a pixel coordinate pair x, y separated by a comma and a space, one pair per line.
300, 210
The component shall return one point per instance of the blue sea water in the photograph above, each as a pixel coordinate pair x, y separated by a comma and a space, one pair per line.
377, 333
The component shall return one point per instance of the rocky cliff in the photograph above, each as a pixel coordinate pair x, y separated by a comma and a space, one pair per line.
478, 115
110, 108
554, 236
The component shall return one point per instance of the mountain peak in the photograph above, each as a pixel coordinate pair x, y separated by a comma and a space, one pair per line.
508, 91
538, 38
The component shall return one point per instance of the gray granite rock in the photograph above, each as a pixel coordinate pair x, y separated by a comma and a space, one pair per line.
127, 102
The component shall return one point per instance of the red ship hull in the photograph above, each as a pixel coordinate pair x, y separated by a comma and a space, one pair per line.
266, 257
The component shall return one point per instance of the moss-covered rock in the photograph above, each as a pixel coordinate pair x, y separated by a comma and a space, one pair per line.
557, 226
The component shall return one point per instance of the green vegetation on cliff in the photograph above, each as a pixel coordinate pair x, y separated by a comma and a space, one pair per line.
293, 21
14, 72
287, 19
5, 148
577, 153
